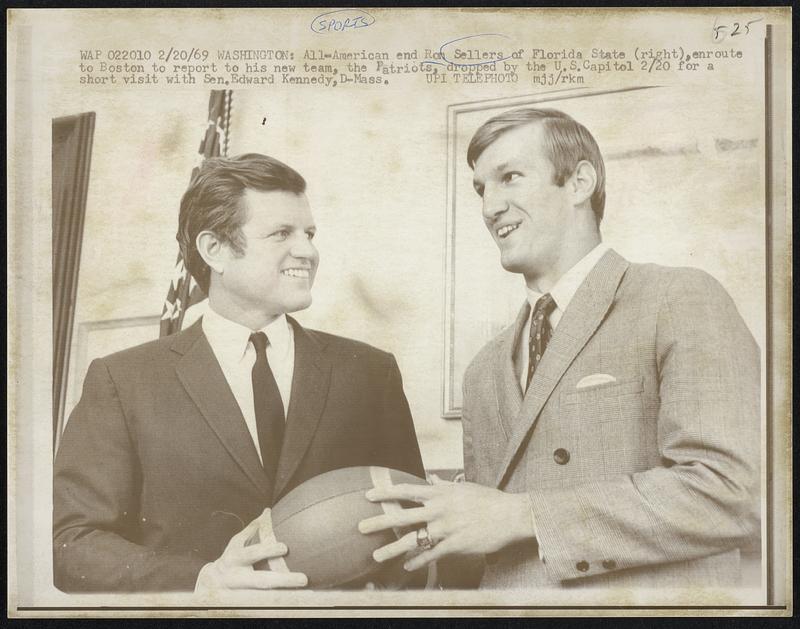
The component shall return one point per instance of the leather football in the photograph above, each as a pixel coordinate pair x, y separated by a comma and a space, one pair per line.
318, 523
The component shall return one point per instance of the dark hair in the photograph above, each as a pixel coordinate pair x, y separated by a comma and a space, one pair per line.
566, 141
213, 202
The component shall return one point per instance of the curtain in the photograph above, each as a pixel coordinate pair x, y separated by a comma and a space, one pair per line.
71, 161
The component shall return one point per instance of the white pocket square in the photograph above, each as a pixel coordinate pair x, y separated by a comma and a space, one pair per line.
595, 379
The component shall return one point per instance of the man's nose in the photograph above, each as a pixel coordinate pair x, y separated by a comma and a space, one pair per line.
494, 203
303, 248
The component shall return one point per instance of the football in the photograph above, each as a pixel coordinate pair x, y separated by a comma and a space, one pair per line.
318, 523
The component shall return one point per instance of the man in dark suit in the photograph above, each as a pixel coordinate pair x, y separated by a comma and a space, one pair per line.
176, 445
611, 433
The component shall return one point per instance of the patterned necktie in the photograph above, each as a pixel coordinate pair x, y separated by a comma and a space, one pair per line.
541, 331
268, 407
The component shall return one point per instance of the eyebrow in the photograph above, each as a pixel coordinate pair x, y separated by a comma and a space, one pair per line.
271, 229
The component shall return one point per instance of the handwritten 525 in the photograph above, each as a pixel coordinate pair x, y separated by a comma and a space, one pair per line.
721, 31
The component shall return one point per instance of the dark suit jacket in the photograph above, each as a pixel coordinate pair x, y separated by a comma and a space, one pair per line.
156, 470
649, 479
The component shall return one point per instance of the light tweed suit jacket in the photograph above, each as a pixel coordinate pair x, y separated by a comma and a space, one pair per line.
647, 480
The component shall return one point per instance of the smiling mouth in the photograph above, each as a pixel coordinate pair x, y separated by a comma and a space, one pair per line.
506, 230
298, 273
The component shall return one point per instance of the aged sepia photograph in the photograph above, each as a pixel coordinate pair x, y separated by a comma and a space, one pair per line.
390, 312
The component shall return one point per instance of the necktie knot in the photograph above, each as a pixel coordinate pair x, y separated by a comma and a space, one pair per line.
544, 306
260, 342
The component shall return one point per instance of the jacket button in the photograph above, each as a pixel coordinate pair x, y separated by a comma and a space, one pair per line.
583, 566
561, 456
609, 564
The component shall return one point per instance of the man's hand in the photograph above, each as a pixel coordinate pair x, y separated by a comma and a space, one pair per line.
234, 568
461, 518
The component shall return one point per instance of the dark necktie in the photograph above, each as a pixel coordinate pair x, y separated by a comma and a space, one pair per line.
268, 407
541, 331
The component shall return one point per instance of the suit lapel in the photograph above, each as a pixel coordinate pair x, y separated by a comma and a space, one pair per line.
310, 382
202, 377
582, 317
506, 383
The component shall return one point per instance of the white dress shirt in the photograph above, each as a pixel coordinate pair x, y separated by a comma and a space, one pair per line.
562, 293
236, 356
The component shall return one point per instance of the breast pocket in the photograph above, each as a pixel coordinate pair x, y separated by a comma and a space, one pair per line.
606, 391
608, 425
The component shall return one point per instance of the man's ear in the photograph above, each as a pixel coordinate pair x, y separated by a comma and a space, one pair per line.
583, 182
212, 250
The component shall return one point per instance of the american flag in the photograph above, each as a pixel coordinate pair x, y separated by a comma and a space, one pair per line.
183, 290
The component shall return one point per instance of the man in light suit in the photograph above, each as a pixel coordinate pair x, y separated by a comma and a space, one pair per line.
177, 446
611, 434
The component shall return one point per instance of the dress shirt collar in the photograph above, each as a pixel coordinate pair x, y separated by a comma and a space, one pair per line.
230, 340
565, 288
